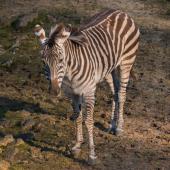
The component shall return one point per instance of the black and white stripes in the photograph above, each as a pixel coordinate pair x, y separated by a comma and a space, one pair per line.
107, 44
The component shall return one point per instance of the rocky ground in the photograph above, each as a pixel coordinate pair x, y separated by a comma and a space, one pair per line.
35, 128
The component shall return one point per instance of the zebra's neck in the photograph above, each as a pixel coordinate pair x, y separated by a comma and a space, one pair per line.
71, 58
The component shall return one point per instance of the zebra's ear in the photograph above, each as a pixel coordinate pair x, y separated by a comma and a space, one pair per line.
67, 30
59, 34
75, 35
40, 33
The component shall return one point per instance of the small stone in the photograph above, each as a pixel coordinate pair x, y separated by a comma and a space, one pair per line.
19, 142
4, 165
6, 140
25, 161
25, 113
36, 152
62, 149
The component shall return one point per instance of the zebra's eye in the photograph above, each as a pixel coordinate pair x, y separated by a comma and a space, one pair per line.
60, 60
60, 52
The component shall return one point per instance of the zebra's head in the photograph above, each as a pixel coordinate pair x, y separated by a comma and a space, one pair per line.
53, 51
53, 54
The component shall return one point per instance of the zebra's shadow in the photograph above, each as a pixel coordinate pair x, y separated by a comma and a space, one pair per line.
7, 104
51, 147
100, 126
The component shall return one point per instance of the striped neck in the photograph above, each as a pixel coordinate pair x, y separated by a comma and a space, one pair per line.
70, 57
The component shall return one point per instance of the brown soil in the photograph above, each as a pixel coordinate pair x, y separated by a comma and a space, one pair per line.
28, 112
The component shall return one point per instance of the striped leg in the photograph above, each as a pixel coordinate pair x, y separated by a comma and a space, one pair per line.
89, 100
77, 100
109, 80
114, 85
125, 69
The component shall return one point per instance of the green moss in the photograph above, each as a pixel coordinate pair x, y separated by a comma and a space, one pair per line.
6, 36
13, 115
23, 147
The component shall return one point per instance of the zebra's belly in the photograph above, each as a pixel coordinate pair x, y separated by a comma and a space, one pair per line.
75, 87
82, 86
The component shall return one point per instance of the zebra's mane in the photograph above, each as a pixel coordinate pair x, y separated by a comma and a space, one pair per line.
97, 19
76, 34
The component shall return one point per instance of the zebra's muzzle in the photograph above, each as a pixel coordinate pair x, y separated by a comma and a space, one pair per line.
54, 89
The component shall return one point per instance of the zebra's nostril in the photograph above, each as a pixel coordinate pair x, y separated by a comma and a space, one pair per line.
55, 91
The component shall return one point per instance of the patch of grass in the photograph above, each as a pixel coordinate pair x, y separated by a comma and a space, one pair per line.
17, 167
13, 116
64, 15
23, 147
69, 16
42, 19
5, 34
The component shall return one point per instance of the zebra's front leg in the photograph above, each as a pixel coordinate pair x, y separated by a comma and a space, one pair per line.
79, 130
89, 100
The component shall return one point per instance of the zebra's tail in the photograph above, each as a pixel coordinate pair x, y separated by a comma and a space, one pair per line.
133, 75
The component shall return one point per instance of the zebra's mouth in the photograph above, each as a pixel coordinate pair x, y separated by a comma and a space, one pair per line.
54, 88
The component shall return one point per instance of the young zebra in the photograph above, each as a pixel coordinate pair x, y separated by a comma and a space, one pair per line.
106, 44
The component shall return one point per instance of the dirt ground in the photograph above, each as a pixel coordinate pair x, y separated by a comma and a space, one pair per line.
35, 128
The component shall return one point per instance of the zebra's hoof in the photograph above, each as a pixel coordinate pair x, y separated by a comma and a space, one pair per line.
115, 131
111, 130
92, 160
73, 117
76, 152
118, 132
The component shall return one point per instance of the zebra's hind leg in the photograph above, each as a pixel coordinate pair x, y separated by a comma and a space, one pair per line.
113, 82
77, 101
125, 69
109, 80
89, 101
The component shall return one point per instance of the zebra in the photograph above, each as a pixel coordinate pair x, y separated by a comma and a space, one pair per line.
103, 48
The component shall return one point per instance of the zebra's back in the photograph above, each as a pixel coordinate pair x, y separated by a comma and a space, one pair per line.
112, 37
